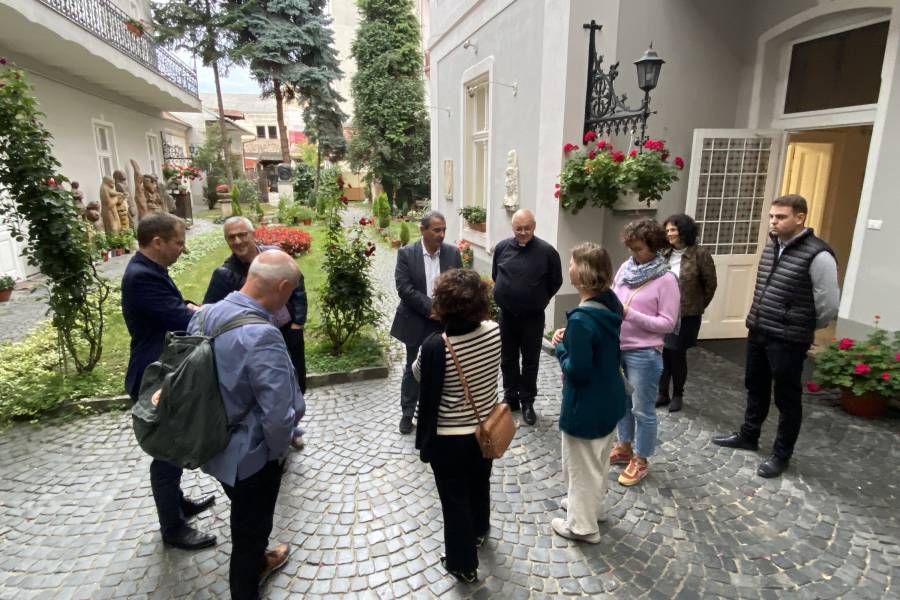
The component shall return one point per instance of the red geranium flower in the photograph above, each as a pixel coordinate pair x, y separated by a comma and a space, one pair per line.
813, 387
618, 156
897, 356
633, 153
862, 369
592, 154
557, 186
679, 162
556, 194
885, 375
601, 144
363, 221
590, 136
845, 344
51, 182
569, 147
664, 155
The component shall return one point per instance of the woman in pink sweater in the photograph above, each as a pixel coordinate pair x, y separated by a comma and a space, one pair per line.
649, 293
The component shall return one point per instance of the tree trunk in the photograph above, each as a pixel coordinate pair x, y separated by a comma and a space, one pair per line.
226, 138
318, 167
282, 128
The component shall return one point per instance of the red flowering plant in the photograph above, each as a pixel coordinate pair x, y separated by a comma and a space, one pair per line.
648, 173
467, 253
292, 240
860, 366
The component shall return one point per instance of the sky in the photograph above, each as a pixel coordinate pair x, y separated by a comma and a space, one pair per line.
237, 81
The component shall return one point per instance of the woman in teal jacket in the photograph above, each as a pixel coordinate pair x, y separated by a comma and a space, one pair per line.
593, 392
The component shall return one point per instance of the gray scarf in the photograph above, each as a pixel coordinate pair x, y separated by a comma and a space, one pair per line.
635, 274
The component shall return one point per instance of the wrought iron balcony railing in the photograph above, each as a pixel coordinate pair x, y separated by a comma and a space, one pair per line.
107, 22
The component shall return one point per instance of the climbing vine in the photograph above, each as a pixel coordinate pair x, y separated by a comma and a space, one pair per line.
37, 210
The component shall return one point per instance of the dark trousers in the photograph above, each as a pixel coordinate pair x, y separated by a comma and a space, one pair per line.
252, 509
296, 347
463, 479
774, 362
409, 387
165, 481
674, 370
520, 336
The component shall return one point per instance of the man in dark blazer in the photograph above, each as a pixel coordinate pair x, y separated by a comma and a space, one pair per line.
418, 265
152, 306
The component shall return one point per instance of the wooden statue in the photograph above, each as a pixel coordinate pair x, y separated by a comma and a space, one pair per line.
109, 206
78, 198
122, 187
146, 192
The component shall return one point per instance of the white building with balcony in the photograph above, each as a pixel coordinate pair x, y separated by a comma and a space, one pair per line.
106, 92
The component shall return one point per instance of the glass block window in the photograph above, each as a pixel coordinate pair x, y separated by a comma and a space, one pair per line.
731, 192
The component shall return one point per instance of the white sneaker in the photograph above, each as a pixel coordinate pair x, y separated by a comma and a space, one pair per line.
561, 529
564, 504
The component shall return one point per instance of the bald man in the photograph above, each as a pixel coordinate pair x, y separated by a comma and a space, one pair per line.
527, 273
261, 393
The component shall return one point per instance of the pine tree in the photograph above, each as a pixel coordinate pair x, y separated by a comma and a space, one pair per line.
290, 48
390, 122
205, 29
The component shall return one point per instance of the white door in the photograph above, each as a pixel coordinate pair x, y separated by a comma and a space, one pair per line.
807, 169
731, 183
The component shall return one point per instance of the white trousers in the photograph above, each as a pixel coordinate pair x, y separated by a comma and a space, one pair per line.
586, 465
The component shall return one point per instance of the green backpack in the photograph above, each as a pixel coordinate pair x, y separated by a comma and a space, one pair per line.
187, 424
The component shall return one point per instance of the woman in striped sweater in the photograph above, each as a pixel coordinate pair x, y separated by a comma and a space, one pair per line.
445, 435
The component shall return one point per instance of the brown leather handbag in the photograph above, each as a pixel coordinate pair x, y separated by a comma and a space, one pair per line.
495, 433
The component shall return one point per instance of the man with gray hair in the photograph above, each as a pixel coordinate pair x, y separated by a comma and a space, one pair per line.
289, 319
418, 264
260, 393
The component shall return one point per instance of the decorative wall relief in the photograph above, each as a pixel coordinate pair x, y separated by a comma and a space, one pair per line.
448, 179
511, 199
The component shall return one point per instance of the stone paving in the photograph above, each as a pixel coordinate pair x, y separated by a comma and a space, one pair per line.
361, 511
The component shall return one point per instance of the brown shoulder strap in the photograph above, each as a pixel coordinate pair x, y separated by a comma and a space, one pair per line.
636, 290
462, 378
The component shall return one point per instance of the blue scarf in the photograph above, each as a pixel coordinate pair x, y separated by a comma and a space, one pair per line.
635, 274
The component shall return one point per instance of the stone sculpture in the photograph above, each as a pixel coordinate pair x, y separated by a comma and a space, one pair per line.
122, 187
109, 206
511, 199
78, 198
146, 192
92, 214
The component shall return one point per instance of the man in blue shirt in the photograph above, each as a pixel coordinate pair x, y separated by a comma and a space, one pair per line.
152, 306
255, 370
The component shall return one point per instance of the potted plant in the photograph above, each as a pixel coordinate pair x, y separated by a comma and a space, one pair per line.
7, 284
867, 372
475, 217
304, 214
466, 253
136, 26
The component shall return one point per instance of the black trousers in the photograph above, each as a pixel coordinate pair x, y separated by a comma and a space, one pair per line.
293, 339
463, 479
675, 368
774, 363
520, 336
252, 508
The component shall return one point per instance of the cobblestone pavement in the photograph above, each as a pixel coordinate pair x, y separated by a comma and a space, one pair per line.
361, 511
28, 307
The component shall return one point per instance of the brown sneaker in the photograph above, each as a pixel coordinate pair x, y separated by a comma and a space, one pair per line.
636, 470
621, 454
275, 559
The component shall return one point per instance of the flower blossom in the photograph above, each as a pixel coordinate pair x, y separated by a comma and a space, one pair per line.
845, 344
813, 387
592, 154
618, 156
601, 144
590, 136
862, 369
886, 376
569, 147
633, 153
679, 162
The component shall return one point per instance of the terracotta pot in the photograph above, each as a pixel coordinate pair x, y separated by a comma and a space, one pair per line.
307, 221
5, 294
476, 226
870, 404
134, 29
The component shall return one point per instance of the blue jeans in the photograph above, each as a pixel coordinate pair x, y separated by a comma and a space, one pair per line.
642, 369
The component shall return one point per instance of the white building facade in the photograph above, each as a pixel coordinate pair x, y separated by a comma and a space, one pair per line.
104, 90
760, 98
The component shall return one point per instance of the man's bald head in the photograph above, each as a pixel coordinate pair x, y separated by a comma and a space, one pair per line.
523, 226
272, 278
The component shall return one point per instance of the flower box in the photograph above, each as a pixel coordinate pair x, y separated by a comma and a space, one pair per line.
869, 405
307, 221
5, 294
134, 29
476, 226
628, 201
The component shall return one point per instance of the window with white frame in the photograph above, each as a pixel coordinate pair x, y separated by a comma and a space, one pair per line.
273, 132
477, 140
106, 149
153, 152
261, 131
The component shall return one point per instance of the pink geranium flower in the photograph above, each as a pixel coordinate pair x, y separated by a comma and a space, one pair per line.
862, 369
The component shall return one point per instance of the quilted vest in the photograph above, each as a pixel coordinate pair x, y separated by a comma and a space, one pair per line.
783, 304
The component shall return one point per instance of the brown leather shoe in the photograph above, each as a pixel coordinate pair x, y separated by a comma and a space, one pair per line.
275, 559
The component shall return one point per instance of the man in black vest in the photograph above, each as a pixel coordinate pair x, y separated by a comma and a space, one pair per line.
796, 293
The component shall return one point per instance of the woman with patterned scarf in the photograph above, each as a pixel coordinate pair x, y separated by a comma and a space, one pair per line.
651, 299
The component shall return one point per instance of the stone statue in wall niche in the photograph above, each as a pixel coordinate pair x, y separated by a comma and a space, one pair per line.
511, 199
122, 187
146, 192
109, 206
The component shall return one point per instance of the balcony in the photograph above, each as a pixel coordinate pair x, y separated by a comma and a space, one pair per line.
88, 40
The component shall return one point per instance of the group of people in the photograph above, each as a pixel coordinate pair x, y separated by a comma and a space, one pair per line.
621, 353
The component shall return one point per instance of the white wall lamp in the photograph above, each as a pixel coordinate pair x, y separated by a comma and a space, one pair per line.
514, 86
470, 43
441, 108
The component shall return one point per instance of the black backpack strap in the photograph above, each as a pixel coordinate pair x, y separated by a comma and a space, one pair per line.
236, 322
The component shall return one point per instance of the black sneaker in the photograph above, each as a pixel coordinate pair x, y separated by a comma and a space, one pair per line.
465, 577
406, 425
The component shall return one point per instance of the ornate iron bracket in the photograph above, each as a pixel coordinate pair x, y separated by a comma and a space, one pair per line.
604, 111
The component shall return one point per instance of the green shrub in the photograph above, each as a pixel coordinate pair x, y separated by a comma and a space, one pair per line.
381, 210
303, 181
404, 233
235, 202
330, 191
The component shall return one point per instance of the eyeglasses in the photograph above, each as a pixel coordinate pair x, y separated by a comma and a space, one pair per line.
237, 236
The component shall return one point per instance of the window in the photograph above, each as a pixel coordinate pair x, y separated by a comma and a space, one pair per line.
260, 131
105, 143
477, 142
843, 69
153, 152
273, 132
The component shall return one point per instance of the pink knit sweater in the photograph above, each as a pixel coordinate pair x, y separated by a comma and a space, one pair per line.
652, 314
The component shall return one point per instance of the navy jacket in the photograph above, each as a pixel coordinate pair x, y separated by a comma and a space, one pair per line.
593, 391
151, 305
232, 276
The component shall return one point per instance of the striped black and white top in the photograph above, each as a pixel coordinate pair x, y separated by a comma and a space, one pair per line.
479, 355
